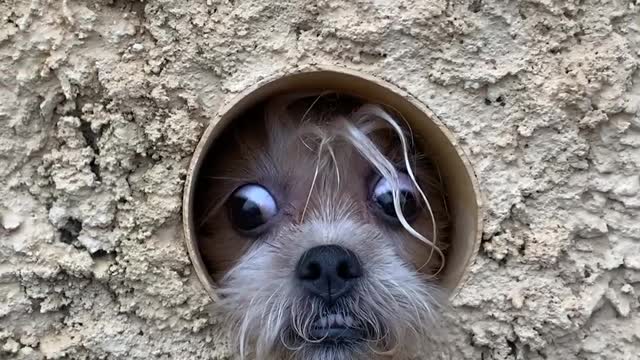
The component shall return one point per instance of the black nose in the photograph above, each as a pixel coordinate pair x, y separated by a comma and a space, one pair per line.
328, 271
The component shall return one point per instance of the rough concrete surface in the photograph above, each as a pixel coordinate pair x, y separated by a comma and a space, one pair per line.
103, 102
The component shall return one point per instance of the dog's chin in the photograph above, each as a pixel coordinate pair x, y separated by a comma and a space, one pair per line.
333, 336
335, 350
334, 344
329, 330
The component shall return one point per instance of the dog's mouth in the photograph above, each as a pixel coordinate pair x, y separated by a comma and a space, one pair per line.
336, 327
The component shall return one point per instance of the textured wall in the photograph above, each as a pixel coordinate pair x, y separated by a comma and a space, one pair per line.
102, 103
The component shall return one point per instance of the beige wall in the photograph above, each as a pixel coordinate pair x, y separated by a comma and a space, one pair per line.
102, 104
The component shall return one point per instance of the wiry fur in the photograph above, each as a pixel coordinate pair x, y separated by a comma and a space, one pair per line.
319, 157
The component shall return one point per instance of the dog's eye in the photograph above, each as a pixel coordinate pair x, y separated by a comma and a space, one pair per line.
251, 206
383, 197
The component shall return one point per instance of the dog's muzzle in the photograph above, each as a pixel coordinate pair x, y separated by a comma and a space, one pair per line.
329, 272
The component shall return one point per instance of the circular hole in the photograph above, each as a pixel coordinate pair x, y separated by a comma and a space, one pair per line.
462, 200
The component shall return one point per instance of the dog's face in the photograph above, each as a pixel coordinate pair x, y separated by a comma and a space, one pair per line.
300, 228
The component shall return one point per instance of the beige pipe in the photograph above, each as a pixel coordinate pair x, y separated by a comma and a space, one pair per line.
464, 197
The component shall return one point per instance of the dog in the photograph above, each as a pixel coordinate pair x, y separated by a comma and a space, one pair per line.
325, 228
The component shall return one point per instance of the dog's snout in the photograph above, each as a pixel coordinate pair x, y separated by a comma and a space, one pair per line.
328, 271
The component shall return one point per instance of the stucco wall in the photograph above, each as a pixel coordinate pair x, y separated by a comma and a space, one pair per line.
102, 103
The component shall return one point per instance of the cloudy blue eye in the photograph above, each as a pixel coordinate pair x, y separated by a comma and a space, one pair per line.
383, 198
251, 206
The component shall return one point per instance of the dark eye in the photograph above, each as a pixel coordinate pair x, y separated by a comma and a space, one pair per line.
250, 207
383, 197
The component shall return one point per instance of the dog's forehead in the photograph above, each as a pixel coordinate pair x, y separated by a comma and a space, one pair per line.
297, 156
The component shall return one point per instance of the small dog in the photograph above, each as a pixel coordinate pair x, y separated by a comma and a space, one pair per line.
324, 228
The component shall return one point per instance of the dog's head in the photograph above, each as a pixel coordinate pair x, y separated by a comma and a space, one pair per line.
323, 226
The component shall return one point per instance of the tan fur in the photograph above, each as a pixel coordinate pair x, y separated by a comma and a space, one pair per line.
298, 150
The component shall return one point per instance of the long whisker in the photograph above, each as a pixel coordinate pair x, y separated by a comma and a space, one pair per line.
313, 182
375, 110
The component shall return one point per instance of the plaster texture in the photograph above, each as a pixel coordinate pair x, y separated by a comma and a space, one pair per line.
103, 102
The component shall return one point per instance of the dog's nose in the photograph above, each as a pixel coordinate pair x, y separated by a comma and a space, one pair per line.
328, 271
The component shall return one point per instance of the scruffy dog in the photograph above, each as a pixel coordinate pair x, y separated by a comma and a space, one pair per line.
324, 228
